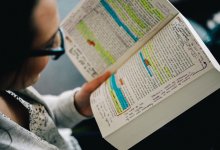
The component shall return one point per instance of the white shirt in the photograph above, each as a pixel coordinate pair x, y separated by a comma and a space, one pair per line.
46, 114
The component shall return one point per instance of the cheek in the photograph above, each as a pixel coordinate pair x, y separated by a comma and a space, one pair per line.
35, 67
41, 64
30, 72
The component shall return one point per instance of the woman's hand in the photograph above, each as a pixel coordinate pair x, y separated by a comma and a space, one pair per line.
82, 97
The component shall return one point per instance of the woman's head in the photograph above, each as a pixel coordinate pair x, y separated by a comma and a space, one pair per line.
28, 25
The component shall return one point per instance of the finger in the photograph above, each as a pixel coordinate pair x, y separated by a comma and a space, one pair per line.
98, 81
104, 77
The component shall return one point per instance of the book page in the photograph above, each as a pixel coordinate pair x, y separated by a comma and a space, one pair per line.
170, 60
102, 35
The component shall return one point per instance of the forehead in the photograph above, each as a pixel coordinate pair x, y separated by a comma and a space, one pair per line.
46, 20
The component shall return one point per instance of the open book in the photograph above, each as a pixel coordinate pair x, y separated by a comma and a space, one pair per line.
160, 65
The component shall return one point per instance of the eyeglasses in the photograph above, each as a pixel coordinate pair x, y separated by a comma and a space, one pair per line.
55, 48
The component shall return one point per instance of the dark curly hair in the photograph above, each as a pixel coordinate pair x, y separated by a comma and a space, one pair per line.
17, 33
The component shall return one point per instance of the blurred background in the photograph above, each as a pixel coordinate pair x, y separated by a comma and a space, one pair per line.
62, 75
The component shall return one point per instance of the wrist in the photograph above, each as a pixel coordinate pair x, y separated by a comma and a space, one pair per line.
75, 101
80, 105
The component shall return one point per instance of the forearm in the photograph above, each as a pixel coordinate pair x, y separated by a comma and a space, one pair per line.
63, 108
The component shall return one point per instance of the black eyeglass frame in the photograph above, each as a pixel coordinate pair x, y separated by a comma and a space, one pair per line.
52, 52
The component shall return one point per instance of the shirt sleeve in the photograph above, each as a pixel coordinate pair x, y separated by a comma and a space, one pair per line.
63, 108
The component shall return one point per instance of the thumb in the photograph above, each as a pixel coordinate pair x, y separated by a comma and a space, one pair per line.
92, 85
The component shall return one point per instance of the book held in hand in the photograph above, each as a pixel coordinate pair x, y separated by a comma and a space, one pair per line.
160, 65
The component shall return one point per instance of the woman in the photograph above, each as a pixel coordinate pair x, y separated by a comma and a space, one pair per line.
27, 119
